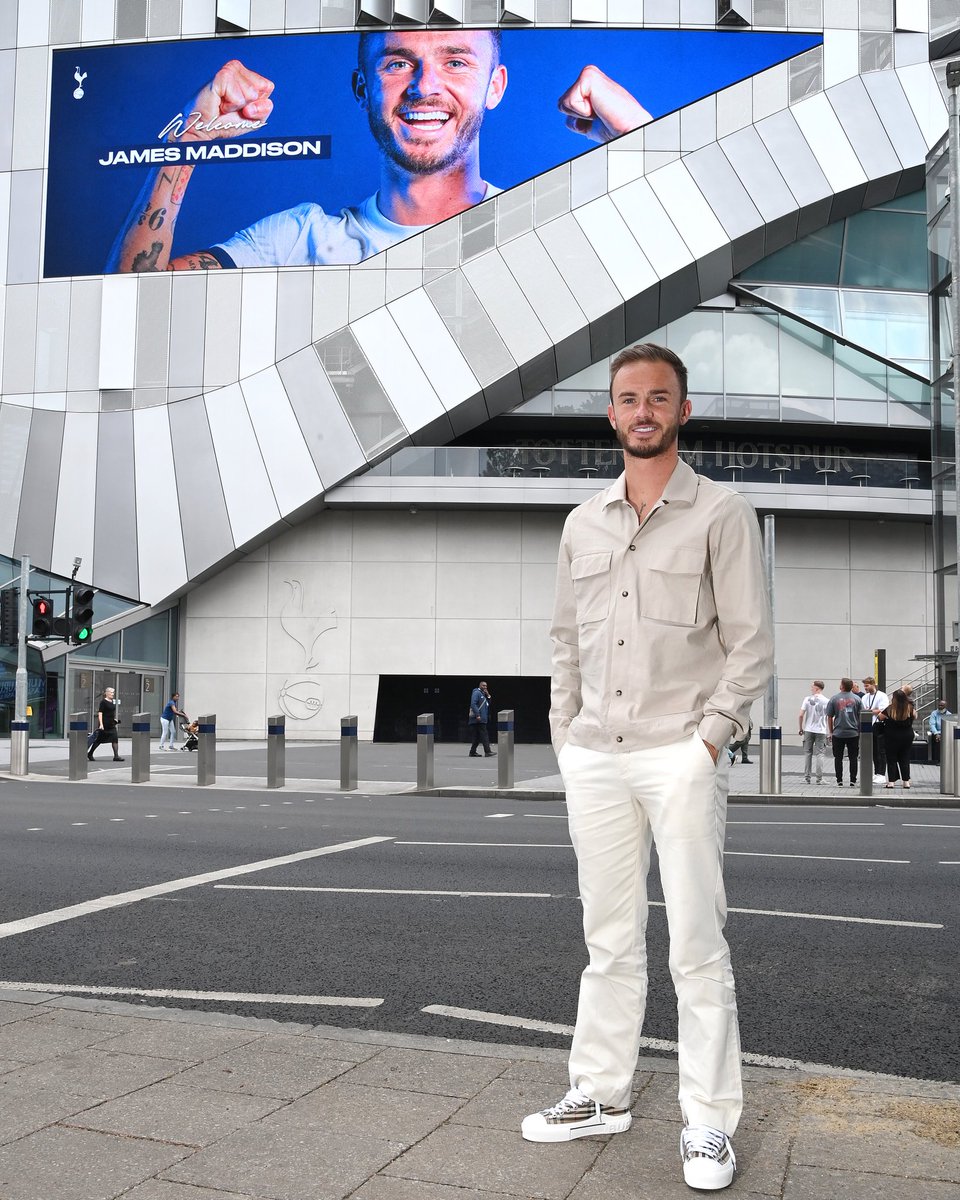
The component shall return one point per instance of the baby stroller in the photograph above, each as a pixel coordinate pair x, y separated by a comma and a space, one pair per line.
189, 730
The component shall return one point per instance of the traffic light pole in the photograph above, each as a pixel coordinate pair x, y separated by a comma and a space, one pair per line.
20, 729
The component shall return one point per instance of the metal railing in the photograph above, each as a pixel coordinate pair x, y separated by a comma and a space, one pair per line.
777, 466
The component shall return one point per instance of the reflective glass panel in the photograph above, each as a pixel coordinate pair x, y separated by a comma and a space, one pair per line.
903, 260
148, 641
814, 259
698, 339
751, 355
806, 362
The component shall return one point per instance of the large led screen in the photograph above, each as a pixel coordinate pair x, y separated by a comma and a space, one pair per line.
316, 149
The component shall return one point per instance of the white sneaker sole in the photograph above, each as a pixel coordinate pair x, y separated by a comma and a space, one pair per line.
704, 1176
535, 1129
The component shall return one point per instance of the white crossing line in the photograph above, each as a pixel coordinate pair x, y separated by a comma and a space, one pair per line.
174, 994
55, 916
924, 825
500, 845
805, 824
763, 912
756, 1060
266, 887
815, 857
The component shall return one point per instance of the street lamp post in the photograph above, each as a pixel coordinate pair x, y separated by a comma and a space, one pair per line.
953, 85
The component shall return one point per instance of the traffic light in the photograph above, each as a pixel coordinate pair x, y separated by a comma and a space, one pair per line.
42, 617
81, 615
9, 616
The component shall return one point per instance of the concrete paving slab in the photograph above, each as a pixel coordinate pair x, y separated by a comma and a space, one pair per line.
381, 1188
159, 1189
439, 1074
342, 1107
169, 1112
286, 1163
493, 1160
922, 1149
278, 1067
11, 1011
818, 1183
94, 1075
188, 1043
73, 1164
497, 1106
43, 1036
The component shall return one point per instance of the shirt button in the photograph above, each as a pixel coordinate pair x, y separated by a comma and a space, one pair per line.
624, 593
619, 739
619, 693
620, 642
633, 547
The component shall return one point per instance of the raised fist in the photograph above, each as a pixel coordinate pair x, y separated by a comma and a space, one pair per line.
599, 108
235, 101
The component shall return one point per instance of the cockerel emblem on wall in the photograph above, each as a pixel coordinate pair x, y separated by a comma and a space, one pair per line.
301, 696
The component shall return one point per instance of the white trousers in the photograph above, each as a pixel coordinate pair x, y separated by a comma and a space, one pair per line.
618, 804
169, 731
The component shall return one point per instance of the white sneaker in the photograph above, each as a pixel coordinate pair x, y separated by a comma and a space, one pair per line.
576, 1115
708, 1159
879, 779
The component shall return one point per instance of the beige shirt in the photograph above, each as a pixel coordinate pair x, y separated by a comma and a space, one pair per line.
660, 627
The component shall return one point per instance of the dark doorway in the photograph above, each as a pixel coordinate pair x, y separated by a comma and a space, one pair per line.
401, 698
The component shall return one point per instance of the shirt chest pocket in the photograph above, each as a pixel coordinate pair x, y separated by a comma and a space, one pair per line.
672, 583
591, 586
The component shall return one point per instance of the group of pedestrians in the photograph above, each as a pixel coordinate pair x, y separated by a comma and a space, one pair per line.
837, 719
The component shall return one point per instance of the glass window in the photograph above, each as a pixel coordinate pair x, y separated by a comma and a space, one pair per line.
859, 377
106, 648
893, 324
751, 355
580, 404
698, 339
903, 261
807, 409
806, 362
814, 259
148, 641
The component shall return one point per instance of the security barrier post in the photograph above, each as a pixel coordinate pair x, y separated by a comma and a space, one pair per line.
77, 738
207, 749
425, 738
276, 751
866, 754
348, 753
948, 756
19, 747
505, 736
771, 749
140, 749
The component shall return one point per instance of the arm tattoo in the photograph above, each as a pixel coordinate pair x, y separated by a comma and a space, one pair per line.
146, 260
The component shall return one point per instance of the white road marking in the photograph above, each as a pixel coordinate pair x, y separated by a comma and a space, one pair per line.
120, 820
35, 829
948, 862
76, 823
55, 916
832, 824
266, 887
919, 825
498, 816
815, 857
763, 912
172, 994
756, 1060
548, 816
501, 845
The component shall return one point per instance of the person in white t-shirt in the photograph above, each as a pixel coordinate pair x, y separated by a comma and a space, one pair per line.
425, 93
875, 701
813, 729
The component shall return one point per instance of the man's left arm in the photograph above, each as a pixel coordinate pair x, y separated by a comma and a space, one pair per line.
743, 622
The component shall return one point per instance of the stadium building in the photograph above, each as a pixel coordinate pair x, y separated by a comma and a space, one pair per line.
338, 489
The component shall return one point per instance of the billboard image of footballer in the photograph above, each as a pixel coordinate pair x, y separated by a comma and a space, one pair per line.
325, 149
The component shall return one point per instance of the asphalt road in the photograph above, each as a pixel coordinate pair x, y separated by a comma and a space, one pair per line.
843, 924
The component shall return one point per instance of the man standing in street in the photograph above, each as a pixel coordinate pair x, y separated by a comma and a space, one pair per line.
935, 725
813, 729
875, 701
661, 642
479, 716
843, 725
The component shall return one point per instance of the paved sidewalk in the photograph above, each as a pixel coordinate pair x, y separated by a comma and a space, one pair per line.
100, 1100
391, 769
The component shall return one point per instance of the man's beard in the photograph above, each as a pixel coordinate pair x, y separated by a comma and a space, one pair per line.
440, 160
649, 449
